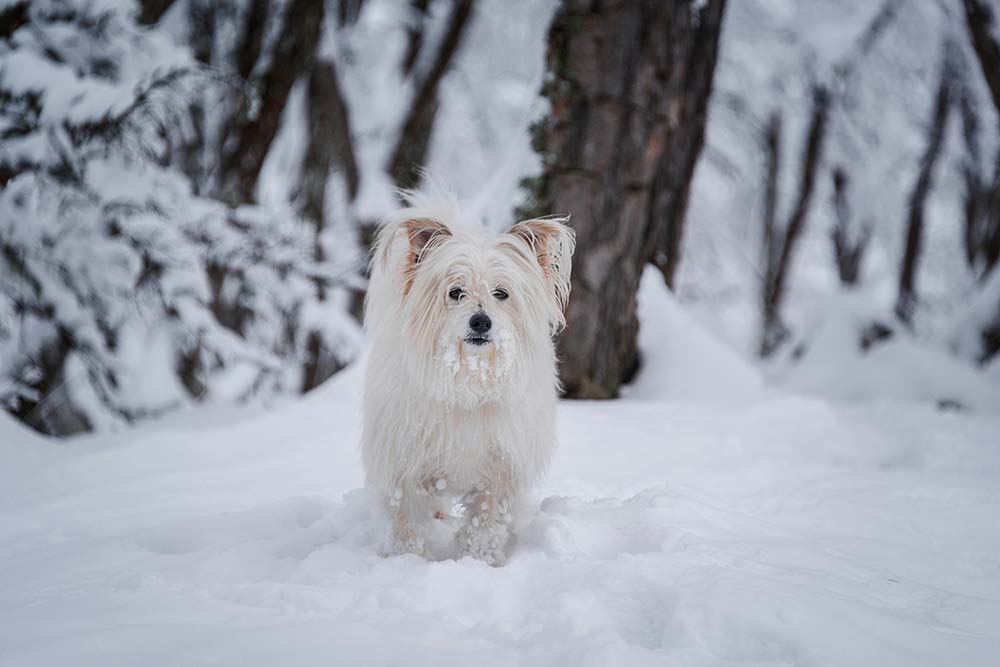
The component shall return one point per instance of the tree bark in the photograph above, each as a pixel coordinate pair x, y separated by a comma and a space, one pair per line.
695, 51
628, 87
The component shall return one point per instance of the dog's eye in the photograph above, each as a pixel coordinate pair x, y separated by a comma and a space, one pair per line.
456, 294
500, 294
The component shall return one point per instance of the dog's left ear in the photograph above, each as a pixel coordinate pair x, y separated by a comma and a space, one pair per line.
552, 242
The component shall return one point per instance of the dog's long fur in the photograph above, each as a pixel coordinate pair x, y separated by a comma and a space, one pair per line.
450, 427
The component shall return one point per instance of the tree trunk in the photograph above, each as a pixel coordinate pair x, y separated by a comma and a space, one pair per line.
151, 11
772, 333
414, 138
256, 125
415, 34
330, 144
251, 37
982, 203
982, 223
848, 249
330, 151
906, 300
981, 21
628, 87
779, 246
696, 51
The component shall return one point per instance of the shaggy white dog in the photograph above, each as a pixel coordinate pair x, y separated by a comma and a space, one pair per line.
461, 385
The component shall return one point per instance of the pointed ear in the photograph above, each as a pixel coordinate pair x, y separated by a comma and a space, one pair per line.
552, 242
420, 235
423, 233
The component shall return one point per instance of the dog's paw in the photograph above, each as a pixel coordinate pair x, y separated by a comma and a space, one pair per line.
483, 541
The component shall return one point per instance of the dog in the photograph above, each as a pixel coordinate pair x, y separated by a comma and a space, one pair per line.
461, 384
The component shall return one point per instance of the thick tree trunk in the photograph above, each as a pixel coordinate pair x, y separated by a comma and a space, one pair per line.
628, 87
695, 51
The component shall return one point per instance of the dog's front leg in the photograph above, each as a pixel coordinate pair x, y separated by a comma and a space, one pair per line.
404, 501
488, 519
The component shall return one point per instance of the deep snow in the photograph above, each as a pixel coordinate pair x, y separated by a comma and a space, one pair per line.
736, 523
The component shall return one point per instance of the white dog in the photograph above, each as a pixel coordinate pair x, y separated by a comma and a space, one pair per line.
461, 386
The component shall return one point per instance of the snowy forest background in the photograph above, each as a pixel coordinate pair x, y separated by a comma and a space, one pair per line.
788, 224
189, 186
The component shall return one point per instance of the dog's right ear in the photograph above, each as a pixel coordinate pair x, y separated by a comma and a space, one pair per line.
408, 241
420, 233
423, 234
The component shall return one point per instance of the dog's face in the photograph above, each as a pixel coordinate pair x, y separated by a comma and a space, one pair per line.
475, 312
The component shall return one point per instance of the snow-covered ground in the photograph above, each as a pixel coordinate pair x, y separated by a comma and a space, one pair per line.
734, 523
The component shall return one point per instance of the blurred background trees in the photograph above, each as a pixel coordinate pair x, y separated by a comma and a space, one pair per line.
189, 186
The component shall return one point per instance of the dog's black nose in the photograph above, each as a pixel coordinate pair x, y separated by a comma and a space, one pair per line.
480, 323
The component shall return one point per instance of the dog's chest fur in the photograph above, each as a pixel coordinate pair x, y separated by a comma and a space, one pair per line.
462, 443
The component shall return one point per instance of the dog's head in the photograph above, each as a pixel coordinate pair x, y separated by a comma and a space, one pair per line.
470, 311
